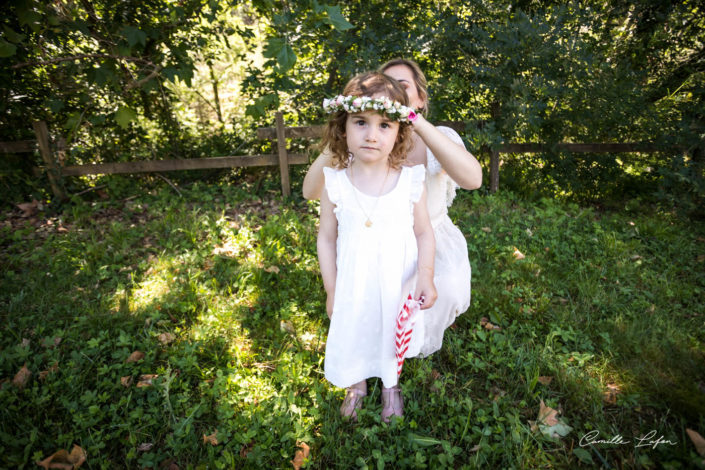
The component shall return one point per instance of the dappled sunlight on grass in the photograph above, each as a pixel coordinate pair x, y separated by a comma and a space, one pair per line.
228, 308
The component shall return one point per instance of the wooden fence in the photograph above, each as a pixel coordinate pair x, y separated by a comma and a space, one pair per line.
56, 170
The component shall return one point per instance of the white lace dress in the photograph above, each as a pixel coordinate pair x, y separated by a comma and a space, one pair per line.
376, 268
452, 266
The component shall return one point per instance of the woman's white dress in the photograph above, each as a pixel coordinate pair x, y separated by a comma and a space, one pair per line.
376, 269
452, 266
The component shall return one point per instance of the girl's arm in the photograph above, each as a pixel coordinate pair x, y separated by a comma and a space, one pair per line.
460, 164
327, 236
314, 180
426, 243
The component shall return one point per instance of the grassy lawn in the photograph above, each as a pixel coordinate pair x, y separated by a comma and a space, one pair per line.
603, 320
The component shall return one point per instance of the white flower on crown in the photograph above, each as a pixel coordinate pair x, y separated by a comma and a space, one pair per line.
356, 104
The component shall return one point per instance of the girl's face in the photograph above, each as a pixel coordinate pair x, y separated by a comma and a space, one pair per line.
370, 136
405, 76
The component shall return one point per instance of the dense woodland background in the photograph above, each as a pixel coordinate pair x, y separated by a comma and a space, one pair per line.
129, 80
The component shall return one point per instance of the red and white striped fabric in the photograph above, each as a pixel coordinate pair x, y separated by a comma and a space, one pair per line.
405, 327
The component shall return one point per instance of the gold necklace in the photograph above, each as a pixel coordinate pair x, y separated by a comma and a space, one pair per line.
368, 222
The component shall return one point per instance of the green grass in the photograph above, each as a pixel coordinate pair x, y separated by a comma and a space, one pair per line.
600, 299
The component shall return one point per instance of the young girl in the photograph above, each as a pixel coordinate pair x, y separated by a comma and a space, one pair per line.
375, 242
448, 166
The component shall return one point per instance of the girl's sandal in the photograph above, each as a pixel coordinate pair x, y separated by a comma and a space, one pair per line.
352, 402
392, 403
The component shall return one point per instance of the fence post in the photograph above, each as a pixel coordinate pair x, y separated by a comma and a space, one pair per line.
494, 171
283, 157
53, 171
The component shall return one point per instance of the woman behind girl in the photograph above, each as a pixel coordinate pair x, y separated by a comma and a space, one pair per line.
375, 241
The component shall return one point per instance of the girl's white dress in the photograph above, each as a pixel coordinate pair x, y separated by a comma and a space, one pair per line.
452, 266
376, 269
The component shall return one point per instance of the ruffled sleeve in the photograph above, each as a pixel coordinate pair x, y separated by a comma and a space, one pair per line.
433, 165
332, 185
418, 175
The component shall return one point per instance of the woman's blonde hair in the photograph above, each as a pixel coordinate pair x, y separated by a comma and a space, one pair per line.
368, 84
419, 79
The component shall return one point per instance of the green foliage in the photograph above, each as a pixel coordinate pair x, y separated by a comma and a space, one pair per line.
600, 298
129, 80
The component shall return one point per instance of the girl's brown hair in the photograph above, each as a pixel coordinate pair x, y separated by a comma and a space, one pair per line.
368, 84
419, 79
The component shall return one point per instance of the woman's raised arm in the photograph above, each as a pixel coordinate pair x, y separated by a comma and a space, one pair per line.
460, 164
314, 180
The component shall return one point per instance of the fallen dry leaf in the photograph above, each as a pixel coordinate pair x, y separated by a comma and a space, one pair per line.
43, 374
545, 380
486, 324
475, 448
135, 356
64, 460
166, 338
549, 424
636, 257
169, 464
29, 208
22, 377
25, 342
272, 269
226, 249
698, 440
244, 450
486, 229
287, 326
497, 393
126, 381
518, 254
145, 380
211, 439
301, 455
145, 446
610, 395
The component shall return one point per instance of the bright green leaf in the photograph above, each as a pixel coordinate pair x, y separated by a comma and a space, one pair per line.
423, 440
286, 58
337, 19
124, 116
273, 47
258, 109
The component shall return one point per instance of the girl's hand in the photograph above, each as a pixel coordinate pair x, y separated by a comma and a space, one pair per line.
329, 305
426, 289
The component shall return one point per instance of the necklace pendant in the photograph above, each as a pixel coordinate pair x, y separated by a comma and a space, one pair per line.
368, 223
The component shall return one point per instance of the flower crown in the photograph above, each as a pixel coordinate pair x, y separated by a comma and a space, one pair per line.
357, 104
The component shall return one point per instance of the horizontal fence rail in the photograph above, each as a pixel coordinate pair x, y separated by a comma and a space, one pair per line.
279, 134
147, 166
